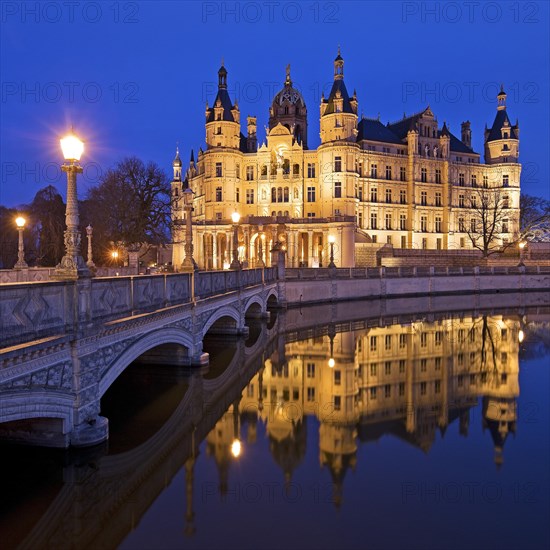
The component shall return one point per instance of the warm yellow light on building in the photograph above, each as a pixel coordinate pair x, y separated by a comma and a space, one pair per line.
331, 362
235, 217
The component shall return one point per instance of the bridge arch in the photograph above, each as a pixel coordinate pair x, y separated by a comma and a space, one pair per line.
226, 311
171, 335
27, 404
272, 298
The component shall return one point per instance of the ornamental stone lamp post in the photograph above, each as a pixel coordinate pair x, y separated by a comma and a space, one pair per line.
188, 263
20, 222
235, 264
90, 262
72, 265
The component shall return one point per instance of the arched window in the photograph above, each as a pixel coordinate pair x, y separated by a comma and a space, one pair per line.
286, 195
279, 213
273, 194
286, 213
279, 194
264, 170
273, 213
286, 109
296, 169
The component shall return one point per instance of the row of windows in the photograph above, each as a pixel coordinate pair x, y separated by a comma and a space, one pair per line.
311, 171
280, 194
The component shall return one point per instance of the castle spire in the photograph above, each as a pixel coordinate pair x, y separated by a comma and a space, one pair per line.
288, 81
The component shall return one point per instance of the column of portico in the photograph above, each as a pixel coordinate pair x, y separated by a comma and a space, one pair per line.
326, 252
246, 240
291, 250
228, 246
310, 248
214, 250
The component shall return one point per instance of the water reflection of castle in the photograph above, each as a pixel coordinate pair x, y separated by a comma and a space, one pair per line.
404, 380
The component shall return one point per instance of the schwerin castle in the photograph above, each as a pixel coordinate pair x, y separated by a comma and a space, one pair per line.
408, 184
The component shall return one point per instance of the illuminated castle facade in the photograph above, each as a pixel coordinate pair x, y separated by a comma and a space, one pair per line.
408, 184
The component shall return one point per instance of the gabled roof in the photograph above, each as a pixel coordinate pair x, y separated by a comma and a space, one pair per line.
373, 130
338, 85
498, 124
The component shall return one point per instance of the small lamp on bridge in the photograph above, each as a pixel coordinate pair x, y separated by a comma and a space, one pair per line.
20, 222
235, 264
331, 240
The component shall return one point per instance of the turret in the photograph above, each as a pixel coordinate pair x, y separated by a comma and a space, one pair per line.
223, 118
502, 139
339, 111
289, 109
176, 165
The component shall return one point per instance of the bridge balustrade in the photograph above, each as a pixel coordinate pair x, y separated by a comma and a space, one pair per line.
30, 311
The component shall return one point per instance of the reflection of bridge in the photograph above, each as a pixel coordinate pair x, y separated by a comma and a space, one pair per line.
102, 500
68, 341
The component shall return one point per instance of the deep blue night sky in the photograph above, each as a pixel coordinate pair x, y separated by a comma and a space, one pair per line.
133, 77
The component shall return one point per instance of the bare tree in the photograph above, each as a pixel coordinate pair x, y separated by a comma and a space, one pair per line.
534, 218
490, 218
130, 207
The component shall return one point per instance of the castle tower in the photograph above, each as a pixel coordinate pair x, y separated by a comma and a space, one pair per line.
339, 111
223, 118
289, 109
502, 139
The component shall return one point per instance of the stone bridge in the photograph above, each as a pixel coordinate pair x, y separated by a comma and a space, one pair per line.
105, 495
64, 343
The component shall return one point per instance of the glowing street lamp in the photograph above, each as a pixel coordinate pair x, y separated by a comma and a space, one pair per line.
235, 264
20, 222
331, 240
114, 255
72, 264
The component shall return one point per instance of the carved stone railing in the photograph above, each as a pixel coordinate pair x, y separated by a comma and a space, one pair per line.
31, 311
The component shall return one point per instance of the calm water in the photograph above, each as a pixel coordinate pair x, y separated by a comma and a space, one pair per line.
417, 432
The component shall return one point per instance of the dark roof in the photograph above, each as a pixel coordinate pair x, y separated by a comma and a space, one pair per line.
402, 127
374, 130
338, 85
225, 101
459, 147
498, 124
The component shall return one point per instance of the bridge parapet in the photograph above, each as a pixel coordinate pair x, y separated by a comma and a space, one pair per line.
30, 311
